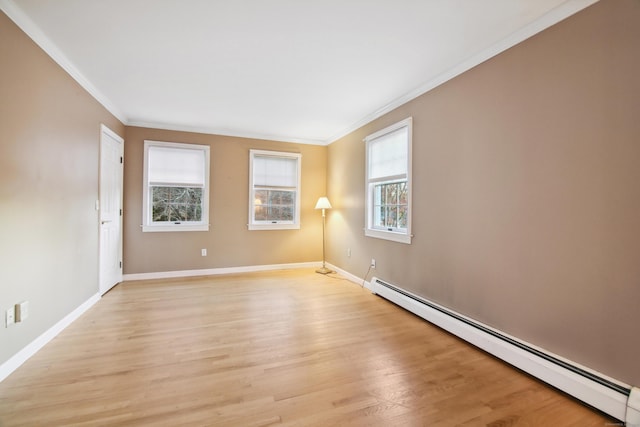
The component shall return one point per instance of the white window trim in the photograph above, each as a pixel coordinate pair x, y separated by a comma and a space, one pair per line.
369, 230
147, 225
285, 225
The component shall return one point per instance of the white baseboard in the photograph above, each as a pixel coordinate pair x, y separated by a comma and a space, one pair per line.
616, 403
218, 271
32, 348
355, 279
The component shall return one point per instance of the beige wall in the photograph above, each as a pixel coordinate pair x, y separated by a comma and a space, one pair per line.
527, 192
228, 242
49, 156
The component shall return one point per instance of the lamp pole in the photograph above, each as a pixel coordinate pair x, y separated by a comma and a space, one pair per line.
323, 203
324, 221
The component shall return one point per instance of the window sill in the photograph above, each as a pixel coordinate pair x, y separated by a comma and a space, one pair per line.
389, 235
273, 226
173, 228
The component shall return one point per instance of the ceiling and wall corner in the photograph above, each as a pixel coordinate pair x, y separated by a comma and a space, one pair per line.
283, 70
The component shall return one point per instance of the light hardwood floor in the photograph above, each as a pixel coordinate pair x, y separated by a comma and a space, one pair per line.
277, 348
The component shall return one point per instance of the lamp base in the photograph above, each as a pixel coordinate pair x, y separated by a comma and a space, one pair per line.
324, 270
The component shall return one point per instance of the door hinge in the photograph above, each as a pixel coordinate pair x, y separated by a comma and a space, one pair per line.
120, 264
121, 159
120, 212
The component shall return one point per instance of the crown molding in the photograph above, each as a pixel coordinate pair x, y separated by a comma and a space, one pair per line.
33, 31
560, 13
225, 132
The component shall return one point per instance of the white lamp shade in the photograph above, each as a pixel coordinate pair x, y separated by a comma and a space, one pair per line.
323, 203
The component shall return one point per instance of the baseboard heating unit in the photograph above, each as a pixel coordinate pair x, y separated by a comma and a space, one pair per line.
611, 397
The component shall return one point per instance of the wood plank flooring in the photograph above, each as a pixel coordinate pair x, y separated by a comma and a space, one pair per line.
290, 348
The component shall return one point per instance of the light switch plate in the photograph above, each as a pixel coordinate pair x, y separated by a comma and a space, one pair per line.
10, 317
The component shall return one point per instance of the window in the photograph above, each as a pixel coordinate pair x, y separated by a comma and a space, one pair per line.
274, 190
176, 187
388, 206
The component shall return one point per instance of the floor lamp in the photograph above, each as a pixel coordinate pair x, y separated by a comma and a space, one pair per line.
323, 203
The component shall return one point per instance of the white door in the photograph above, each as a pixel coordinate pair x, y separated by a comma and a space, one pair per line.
111, 184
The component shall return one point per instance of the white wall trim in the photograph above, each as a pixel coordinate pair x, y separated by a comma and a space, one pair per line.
34, 346
587, 390
549, 19
224, 132
633, 408
51, 49
218, 271
353, 278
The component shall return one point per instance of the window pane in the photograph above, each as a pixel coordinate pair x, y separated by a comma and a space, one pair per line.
260, 197
287, 213
402, 217
392, 213
390, 208
260, 208
390, 194
176, 204
275, 213
160, 212
174, 214
274, 205
402, 196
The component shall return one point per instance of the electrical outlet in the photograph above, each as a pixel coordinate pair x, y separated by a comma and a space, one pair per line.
203, 252
10, 316
373, 263
22, 311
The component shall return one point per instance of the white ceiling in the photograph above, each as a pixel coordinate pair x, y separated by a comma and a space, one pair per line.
292, 70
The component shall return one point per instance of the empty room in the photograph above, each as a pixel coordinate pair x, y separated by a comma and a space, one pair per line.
256, 213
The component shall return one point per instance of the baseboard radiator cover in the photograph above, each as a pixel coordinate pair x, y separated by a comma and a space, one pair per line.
605, 394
